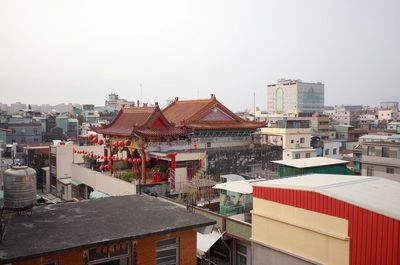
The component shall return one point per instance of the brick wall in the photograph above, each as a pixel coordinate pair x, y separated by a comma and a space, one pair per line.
146, 248
75, 257
146, 251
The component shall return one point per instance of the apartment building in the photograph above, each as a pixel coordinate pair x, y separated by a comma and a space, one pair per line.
382, 159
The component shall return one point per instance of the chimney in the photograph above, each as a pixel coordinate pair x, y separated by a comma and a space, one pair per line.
176, 98
156, 103
212, 95
144, 104
138, 103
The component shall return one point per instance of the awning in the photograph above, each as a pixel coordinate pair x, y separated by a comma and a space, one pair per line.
98, 194
206, 241
65, 181
75, 182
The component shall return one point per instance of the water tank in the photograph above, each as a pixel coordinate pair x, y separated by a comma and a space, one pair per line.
19, 188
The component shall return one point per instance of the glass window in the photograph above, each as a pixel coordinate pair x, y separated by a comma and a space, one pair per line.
117, 254
370, 171
308, 155
371, 150
167, 252
302, 140
390, 170
334, 151
326, 152
296, 156
385, 152
241, 254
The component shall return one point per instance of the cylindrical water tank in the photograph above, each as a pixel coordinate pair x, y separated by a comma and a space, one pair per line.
19, 188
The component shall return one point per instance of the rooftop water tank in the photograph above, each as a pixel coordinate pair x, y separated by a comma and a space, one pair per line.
19, 188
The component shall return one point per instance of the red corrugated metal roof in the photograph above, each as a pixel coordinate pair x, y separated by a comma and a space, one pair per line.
374, 237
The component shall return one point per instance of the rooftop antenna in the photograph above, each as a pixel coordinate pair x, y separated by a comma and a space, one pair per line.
254, 104
141, 92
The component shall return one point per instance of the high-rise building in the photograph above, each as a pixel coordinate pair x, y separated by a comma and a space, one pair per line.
295, 97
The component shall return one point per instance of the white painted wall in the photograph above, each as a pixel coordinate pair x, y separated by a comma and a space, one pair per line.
102, 182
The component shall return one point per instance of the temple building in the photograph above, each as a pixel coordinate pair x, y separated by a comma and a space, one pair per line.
129, 135
227, 143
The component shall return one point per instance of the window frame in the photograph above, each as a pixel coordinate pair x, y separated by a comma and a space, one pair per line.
171, 246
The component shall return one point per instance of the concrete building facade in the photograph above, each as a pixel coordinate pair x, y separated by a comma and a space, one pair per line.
381, 159
295, 96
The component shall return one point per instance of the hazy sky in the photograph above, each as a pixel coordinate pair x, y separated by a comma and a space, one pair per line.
80, 51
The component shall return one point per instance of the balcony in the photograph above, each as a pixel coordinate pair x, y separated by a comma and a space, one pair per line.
102, 182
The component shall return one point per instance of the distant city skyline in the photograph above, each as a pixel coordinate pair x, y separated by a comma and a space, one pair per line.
61, 51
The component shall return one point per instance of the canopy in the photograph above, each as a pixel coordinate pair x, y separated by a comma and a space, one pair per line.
206, 241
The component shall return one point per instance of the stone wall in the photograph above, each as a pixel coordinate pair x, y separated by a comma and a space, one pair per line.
242, 159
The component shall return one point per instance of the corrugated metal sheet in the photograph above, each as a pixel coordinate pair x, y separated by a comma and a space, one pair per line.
374, 238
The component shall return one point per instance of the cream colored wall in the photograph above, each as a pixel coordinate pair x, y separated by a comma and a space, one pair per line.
101, 182
65, 157
180, 174
291, 134
190, 156
290, 154
310, 235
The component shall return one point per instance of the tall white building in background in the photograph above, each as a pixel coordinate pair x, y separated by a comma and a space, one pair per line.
291, 96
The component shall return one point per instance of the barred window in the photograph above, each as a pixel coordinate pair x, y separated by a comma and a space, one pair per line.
167, 252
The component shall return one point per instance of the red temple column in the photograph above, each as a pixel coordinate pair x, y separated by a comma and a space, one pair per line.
172, 156
143, 158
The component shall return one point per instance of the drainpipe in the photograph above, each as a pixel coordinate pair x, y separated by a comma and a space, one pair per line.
226, 245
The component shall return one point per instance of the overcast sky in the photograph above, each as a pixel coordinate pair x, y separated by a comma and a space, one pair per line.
80, 51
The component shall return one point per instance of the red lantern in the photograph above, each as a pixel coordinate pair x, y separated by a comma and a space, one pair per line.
126, 160
121, 143
90, 137
175, 153
108, 167
101, 167
127, 143
130, 160
100, 142
195, 146
148, 158
95, 140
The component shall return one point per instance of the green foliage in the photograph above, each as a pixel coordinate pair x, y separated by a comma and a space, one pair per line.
128, 176
89, 160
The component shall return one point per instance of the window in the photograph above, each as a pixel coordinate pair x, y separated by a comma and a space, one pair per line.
241, 254
385, 151
35, 130
302, 140
13, 131
308, 155
35, 140
292, 141
167, 251
371, 150
23, 140
117, 254
326, 152
390, 170
334, 151
370, 171
296, 156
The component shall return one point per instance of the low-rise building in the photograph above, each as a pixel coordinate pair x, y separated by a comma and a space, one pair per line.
322, 165
387, 115
24, 132
293, 134
115, 230
381, 159
326, 219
